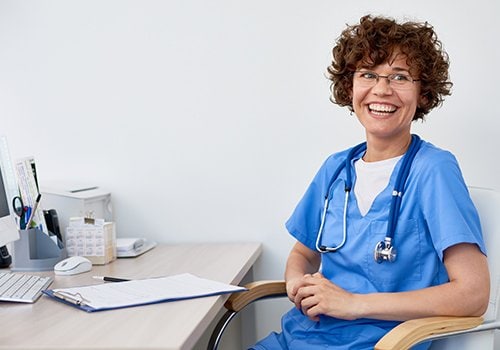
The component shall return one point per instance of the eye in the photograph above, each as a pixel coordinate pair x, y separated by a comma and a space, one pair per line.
402, 78
368, 75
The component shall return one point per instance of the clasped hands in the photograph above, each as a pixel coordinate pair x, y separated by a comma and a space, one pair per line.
315, 295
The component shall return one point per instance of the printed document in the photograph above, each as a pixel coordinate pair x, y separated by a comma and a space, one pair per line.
112, 295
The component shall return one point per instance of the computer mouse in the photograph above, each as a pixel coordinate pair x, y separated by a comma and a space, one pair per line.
72, 266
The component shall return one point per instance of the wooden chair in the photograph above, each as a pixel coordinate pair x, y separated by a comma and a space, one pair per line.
447, 333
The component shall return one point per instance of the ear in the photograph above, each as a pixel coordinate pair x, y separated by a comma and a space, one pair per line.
423, 101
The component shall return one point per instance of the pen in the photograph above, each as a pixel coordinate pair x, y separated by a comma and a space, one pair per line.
110, 279
33, 211
25, 217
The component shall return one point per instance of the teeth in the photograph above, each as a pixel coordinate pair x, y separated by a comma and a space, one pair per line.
381, 108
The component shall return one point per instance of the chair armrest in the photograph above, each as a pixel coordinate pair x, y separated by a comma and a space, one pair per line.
401, 337
237, 301
411, 332
256, 290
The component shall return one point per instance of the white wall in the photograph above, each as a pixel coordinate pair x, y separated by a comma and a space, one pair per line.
207, 119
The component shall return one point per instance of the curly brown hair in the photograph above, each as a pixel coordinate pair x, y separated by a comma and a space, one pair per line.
374, 41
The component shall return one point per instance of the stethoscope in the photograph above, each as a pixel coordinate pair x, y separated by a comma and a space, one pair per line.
384, 250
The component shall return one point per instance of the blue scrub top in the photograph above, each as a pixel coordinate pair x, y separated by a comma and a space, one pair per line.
436, 212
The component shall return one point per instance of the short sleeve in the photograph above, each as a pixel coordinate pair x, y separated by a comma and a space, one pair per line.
448, 209
305, 220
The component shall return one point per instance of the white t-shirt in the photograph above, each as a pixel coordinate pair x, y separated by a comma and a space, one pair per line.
371, 179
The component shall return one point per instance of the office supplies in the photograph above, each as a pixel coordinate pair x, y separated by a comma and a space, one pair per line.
52, 222
28, 188
126, 244
92, 238
109, 296
33, 250
21, 211
110, 279
75, 201
27, 215
36, 251
33, 211
72, 266
23, 288
132, 247
175, 326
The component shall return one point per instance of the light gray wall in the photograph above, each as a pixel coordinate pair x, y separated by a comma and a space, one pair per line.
207, 119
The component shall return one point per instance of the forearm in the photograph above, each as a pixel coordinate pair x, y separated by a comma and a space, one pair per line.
466, 294
300, 262
447, 299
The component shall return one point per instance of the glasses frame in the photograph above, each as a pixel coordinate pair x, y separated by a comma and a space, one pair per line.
389, 77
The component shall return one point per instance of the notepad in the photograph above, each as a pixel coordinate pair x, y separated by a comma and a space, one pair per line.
111, 295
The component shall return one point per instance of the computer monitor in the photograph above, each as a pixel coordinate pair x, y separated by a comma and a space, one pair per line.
8, 227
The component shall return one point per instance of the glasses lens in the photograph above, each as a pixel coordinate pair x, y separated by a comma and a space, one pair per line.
366, 78
400, 80
369, 79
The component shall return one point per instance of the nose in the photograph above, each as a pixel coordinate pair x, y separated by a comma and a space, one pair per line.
382, 86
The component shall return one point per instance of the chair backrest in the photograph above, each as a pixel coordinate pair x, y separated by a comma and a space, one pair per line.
487, 202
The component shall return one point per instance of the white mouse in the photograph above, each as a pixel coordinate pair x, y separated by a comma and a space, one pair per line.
72, 266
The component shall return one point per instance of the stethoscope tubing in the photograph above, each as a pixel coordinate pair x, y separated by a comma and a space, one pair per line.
325, 249
397, 193
396, 199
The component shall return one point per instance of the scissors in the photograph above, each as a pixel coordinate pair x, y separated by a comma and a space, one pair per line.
20, 210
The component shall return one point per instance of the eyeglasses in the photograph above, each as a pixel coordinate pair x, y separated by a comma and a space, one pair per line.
397, 80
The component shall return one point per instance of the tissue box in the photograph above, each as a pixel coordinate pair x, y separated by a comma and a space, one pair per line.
94, 239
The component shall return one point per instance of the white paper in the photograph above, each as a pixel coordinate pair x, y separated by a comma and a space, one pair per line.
146, 291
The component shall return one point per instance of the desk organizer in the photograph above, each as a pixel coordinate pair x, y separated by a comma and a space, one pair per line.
36, 251
94, 239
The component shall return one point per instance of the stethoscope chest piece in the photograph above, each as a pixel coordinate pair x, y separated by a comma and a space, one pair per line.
384, 251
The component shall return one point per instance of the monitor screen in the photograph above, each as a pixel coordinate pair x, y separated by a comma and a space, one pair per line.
8, 227
4, 202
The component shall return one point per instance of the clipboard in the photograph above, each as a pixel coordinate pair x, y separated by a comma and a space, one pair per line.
113, 295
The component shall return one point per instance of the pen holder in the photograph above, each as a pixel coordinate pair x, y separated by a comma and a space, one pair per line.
36, 251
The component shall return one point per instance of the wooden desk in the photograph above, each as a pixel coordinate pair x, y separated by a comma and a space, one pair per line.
48, 324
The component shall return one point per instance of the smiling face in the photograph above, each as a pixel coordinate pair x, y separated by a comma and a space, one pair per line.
385, 109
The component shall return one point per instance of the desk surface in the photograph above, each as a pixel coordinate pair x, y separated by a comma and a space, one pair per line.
48, 324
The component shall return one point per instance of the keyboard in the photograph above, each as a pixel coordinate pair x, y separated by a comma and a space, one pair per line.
22, 287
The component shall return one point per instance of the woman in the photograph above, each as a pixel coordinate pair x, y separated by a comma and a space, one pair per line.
351, 284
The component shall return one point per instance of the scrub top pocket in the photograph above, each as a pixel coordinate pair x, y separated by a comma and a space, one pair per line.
389, 276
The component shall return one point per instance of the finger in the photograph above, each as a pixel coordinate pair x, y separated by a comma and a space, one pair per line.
303, 293
309, 308
305, 281
316, 279
312, 313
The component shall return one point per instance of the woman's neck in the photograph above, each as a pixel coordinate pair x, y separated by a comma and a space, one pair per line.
380, 149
